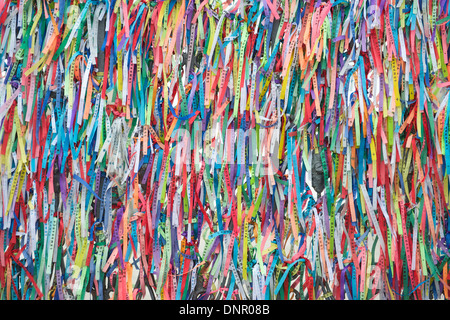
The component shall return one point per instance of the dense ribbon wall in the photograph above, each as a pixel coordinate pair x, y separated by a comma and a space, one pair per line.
224, 150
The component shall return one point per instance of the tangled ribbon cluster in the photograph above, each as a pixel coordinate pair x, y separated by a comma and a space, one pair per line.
243, 149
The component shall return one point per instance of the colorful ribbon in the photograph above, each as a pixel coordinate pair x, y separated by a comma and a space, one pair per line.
182, 149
